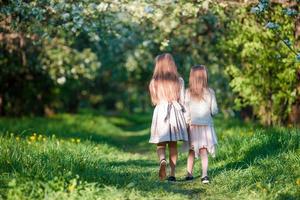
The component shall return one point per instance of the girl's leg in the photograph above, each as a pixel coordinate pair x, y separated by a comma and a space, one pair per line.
161, 151
173, 156
190, 163
204, 161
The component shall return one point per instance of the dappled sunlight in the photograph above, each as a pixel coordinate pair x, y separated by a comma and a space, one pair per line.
96, 129
85, 86
84, 156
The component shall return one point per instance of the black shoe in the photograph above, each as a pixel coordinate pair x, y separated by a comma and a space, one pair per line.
172, 179
189, 178
162, 169
205, 180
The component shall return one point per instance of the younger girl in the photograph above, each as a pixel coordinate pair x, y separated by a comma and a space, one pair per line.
168, 122
200, 103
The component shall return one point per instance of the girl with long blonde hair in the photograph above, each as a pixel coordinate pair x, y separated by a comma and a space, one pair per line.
201, 105
168, 122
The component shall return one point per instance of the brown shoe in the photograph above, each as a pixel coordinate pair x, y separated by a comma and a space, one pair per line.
162, 169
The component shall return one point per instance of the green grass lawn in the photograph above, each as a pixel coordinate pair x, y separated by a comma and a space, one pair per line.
90, 156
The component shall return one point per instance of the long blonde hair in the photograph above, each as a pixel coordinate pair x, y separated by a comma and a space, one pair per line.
198, 82
165, 83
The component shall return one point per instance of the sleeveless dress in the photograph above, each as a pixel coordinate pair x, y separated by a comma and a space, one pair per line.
168, 122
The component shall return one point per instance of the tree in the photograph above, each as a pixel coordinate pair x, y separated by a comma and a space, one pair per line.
264, 66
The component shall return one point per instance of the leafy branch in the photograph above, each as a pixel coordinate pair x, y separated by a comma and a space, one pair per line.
264, 6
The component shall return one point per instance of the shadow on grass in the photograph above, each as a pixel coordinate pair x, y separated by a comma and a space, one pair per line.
130, 134
229, 123
273, 142
136, 122
126, 133
137, 174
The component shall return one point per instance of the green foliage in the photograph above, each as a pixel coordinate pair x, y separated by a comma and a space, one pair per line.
123, 37
108, 157
262, 67
264, 7
65, 55
62, 62
38, 53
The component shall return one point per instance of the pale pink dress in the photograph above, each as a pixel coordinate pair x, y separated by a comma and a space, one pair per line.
168, 122
199, 116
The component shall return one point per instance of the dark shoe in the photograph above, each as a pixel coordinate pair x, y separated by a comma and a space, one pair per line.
189, 178
205, 180
172, 179
162, 169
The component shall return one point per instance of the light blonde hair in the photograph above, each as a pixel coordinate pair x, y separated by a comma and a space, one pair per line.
198, 82
165, 83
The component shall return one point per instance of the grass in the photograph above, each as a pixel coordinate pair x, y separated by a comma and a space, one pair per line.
90, 156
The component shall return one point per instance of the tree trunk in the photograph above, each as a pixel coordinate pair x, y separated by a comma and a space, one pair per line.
294, 116
1, 105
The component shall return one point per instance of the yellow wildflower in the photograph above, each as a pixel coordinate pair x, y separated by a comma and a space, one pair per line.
72, 140
17, 138
298, 181
40, 138
264, 190
258, 184
72, 185
71, 188
32, 138
78, 140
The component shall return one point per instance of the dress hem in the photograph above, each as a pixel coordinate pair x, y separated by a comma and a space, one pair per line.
156, 142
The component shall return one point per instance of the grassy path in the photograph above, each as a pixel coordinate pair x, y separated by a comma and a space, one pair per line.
89, 156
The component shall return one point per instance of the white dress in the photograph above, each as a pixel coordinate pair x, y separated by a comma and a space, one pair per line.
168, 122
199, 116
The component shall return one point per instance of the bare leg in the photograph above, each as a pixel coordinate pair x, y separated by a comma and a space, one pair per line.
161, 150
204, 161
190, 163
173, 156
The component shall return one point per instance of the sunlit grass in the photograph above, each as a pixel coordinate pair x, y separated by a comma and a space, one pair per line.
90, 156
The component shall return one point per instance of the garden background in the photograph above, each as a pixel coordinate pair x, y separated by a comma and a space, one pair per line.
75, 108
